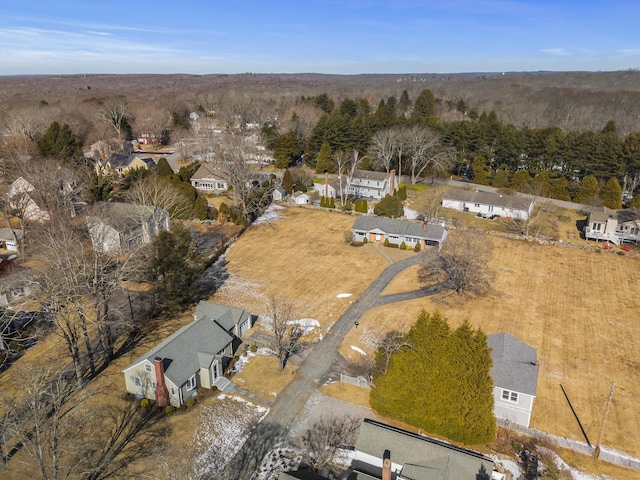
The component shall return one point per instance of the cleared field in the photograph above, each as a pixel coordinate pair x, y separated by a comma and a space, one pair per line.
578, 308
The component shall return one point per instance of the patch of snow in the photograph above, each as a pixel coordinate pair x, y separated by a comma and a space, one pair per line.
343, 295
306, 324
269, 215
359, 350
243, 360
275, 394
510, 466
410, 213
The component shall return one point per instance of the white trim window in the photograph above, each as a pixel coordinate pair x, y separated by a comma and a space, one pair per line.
510, 396
191, 383
147, 368
137, 381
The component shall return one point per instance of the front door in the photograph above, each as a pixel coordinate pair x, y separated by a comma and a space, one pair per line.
378, 238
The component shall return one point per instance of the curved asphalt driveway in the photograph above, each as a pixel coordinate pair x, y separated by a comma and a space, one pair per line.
311, 374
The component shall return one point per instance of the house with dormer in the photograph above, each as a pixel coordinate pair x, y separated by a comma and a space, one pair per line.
195, 356
122, 164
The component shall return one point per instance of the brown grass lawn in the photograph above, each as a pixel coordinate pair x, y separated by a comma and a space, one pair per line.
578, 308
262, 376
302, 258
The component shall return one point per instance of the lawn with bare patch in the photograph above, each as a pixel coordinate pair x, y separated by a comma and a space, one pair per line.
578, 308
261, 376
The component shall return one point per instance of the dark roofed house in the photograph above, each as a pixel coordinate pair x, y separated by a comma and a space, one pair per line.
210, 178
383, 451
379, 229
488, 204
123, 164
515, 378
194, 356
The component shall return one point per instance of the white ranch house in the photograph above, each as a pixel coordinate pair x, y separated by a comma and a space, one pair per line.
488, 204
515, 378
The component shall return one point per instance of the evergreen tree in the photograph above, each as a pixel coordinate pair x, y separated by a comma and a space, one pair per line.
520, 181
480, 171
423, 110
404, 104
163, 168
60, 142
389, 206
560, 189
612, 194
588, 191
325, 159
500, 179
285, 149
439, 381
287, 182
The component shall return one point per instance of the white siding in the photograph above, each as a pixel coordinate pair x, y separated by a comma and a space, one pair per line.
517, 412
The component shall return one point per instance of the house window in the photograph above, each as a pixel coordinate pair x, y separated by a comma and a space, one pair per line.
191, 383
510, 396
137, 381
596, 227
147, 367
173, 391
477, 205
153, 385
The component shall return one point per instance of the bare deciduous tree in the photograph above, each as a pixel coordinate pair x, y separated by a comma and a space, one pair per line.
116, 114
462, 265
383, 146
426, 153
322, 443
155, 191
153, 120
287, 334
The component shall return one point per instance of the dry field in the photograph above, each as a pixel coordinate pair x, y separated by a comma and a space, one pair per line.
578, 308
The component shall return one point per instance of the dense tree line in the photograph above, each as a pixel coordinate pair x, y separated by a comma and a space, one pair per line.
438, 380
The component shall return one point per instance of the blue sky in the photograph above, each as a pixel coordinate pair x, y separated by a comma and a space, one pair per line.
345, 36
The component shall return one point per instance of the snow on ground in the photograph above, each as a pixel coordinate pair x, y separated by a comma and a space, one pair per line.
410, 213
270, 214
510, 466
306, 324
343, 295
563, 466
359, 350
237, 286
244, 359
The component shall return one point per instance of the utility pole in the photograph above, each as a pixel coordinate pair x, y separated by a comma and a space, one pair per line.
596, 452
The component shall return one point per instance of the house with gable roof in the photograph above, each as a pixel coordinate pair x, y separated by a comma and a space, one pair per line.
372, 185
194, 356
515, 378
616, 226
379, 229
210, 178
123, 164
385, 452
488, 204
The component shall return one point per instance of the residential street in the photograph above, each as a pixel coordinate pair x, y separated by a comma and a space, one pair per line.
312, 372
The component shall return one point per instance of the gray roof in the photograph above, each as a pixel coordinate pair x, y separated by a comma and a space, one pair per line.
516, 202
118, 160
601, 214
395, 226
514, 364
423, 458
300, 475
7, 234
124, 217
195, 345
369, 175
207, 170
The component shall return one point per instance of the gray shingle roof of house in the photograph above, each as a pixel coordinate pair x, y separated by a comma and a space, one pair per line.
395, 226
208, 171
514, 364
370, 175
227, 317
488, 198
124, 217
118, 160
423, 457
601, 214
6, 233
195, 345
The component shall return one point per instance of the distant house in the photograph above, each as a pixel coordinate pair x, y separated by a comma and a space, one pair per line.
301, 198
21, 199
194, 356
279, 194
488, 204
121, 226
123, 164
372, 185
515, 378
614, 226
15, 284
209, 178
330, 188
8, 245
379, 229
385, 452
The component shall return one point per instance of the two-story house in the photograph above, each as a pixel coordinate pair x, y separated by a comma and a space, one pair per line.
372, 185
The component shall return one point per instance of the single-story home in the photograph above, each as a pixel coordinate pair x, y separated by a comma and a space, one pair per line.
278, 194
300, 198
372, 185
330, 188
194, 356
614, 226
384, 452
379, 229
119, 226
123, 164
209, 178
8, 245
488, 204
515, 378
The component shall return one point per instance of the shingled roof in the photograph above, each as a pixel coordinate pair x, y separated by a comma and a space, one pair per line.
488, 198
514, 364
400, 227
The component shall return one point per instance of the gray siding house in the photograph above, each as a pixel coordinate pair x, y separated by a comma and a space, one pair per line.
379, 229
372, 185
488, 204
384, 451
194, 356
515, 378
209, 178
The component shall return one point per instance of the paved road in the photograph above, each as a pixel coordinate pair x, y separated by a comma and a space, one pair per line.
312, 373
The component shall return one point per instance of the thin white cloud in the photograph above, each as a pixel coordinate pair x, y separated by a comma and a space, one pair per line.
629, 52
104, 34
559, 52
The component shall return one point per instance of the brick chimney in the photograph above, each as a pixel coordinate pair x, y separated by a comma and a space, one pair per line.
162, 394
392, 182
386, 465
